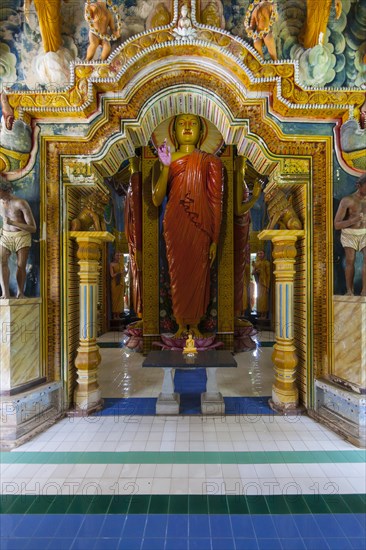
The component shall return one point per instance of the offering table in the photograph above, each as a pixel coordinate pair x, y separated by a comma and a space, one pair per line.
168, 401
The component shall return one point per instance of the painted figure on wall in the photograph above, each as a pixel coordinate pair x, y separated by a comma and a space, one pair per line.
133, 230
160, 18
262, 275
351, 220
242, 206
102, 29
117, 273
315, 25
194, 183
15, 139
52, 66
212, 14
49, 19
15, 236
7, 112
261, 20
353, 138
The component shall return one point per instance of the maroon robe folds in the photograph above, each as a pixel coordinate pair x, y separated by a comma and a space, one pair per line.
191, 223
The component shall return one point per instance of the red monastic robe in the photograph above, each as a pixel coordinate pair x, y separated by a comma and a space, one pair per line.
191, 223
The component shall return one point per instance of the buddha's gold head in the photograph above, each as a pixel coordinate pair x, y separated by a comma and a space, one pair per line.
188, 129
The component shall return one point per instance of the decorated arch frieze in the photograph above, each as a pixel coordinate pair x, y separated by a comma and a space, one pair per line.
215, 72
244, 123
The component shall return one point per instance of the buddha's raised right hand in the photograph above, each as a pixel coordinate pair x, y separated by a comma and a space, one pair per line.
164, 154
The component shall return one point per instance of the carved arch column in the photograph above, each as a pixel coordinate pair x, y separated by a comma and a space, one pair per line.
285, 393
87, 396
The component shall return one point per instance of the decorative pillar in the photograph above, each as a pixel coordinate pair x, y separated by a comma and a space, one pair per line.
87, 397
285, 394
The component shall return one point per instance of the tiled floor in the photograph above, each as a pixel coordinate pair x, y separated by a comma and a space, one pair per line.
135, 481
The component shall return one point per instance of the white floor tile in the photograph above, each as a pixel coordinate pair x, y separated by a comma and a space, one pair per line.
160, 486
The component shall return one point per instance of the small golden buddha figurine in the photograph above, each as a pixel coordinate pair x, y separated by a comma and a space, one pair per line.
189, 348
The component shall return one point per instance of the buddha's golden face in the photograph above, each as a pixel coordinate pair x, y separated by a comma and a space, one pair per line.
187, 129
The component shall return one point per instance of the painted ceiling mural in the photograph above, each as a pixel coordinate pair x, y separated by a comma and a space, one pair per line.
20, 38
339, 61
336, 60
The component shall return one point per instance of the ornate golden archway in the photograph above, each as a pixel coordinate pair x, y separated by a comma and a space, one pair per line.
266, 146
151, 78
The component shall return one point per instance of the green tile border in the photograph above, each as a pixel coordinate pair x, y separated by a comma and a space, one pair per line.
184, 504
259, 457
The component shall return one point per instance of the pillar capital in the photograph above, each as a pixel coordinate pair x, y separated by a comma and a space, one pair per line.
89, 243
281, 237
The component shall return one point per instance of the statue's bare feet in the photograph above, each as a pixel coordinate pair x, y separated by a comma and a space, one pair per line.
20, 295
242, 323
181, 332
5, 297
195, 332
349, 293
363, 293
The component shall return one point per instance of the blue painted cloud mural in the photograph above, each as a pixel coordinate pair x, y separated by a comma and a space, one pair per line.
25, 65
338, 61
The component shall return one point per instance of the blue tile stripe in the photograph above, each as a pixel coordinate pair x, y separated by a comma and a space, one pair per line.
190, 396
187, 531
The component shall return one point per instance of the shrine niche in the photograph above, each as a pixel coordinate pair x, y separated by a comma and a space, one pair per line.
110, 112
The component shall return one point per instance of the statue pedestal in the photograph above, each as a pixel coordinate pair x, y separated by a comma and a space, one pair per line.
28, 404
349, 336
168, 401
28, 413
344, 411
20, 354
212, 401
340, 400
